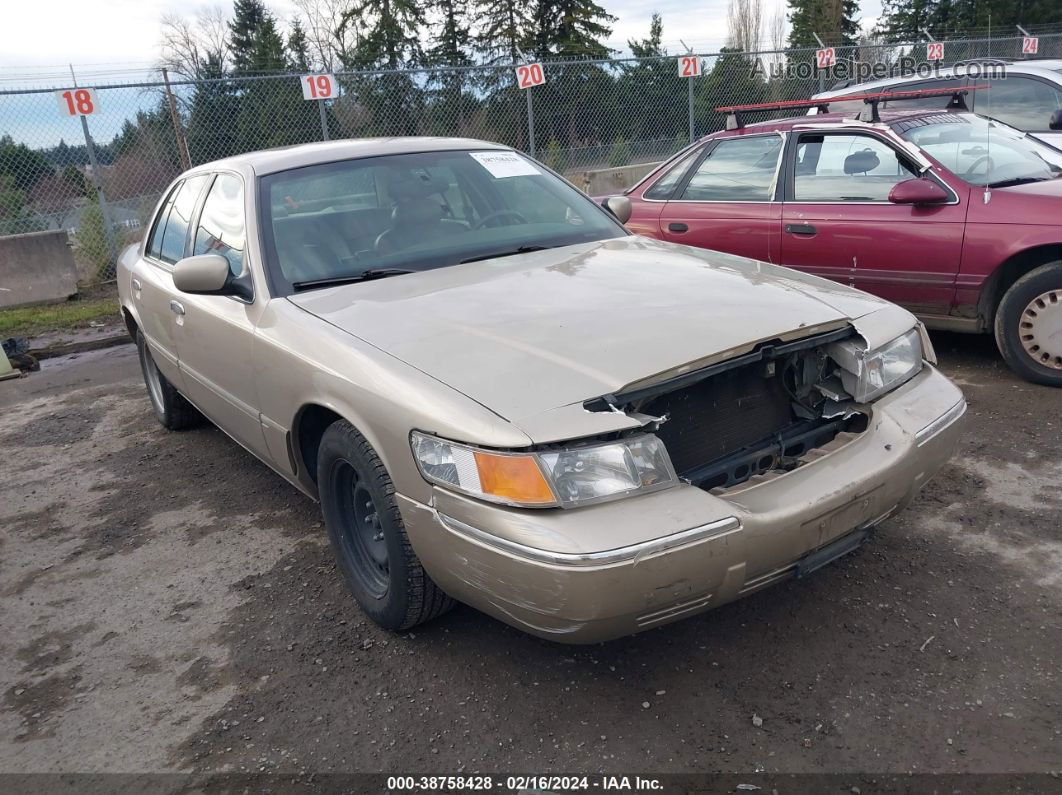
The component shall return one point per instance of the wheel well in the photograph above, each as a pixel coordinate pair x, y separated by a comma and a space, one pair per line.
130, 324
1009, 272
310, 424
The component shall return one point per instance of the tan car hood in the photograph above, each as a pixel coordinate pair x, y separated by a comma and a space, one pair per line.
529, 333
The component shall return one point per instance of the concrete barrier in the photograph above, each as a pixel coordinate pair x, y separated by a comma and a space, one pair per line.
36, 268
608, 181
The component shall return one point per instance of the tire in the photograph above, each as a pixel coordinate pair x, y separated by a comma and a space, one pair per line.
368, 536
171, 408
1028, 325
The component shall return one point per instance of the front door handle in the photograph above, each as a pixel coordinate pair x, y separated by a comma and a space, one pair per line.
177, 307
677, 228
800, 229
136, 284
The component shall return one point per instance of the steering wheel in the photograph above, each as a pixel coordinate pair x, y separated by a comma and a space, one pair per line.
987, 160
498, 214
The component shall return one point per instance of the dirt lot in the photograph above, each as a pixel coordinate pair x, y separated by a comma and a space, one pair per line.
169, 603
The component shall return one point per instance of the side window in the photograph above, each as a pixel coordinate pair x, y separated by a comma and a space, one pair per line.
221, 224
856, 168
154, 245
737, 169
1020, 102
665, 186
176, 228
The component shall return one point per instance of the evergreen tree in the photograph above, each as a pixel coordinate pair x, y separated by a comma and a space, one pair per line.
212, 131
504, 27
569, 29
298, 48
652, 82
453, 39
903, 20
833, 20
391, 37
253, 39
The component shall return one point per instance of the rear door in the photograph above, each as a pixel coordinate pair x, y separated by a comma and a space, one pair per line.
152, 287
727, 200
216, 332
837, 221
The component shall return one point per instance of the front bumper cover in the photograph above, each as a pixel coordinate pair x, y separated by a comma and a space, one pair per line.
600, 572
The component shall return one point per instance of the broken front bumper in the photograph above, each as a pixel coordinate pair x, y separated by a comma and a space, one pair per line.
607, 570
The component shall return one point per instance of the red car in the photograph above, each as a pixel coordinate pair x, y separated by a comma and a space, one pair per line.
952, 215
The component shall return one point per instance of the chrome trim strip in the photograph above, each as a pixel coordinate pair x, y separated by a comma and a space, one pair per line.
703, 532
941, 422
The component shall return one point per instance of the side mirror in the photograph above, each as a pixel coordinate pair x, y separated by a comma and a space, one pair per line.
1056, 120
619, 206
918, 191
205, 273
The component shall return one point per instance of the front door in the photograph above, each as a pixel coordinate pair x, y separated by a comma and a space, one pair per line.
215, 340
838, 222
151, 284
727, 202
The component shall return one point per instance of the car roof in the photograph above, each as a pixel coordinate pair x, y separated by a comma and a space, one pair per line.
1044, 67
837, 120
269, 161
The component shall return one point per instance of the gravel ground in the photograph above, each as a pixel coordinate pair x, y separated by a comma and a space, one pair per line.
171, 604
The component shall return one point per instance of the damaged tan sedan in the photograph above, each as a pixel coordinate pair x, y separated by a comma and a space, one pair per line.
502, 397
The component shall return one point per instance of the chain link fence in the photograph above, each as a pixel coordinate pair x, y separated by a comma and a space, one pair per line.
99, 176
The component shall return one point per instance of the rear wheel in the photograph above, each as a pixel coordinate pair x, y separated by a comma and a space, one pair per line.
368, 535
171, 409
1028, 325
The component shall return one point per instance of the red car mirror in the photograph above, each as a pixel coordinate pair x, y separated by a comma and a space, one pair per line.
918, 191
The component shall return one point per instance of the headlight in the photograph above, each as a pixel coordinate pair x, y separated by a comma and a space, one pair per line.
868, 375
567, 477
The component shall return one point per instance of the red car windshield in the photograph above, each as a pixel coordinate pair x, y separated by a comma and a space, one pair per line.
982, 151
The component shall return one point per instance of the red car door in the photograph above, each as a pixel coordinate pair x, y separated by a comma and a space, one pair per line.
838, 222
727, 201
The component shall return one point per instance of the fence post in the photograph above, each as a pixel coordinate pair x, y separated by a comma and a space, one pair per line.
689, 90
97, 180
178, 131
530, 122
324, 120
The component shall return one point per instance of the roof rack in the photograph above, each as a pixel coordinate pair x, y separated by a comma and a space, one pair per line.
735, 119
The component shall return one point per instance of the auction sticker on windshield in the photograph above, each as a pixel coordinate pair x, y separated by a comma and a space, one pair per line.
505, 164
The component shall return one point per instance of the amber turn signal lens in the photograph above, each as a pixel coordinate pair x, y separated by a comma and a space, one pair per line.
513, 477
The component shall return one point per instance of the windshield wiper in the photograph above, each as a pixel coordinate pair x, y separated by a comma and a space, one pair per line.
365, 276
1010, 183
510, 253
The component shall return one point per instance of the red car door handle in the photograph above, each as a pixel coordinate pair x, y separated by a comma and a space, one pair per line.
800, 229
677, 228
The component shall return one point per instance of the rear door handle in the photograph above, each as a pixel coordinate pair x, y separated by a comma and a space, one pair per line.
177, 307
677, 228
800, 229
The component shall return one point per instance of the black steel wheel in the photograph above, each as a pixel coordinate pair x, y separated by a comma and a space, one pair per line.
368, 536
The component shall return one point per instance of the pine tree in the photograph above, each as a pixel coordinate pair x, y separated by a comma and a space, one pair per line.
833, 20
652, 82
904, 20
570, 29
391, 37
504, 27
250, 18
298, 48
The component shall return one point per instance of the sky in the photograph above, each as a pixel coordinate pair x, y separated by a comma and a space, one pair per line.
107, 38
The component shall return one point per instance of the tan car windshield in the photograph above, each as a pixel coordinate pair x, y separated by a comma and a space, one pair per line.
420, 211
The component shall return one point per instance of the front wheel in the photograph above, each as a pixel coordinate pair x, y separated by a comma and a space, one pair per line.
368, 535
1028, 325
